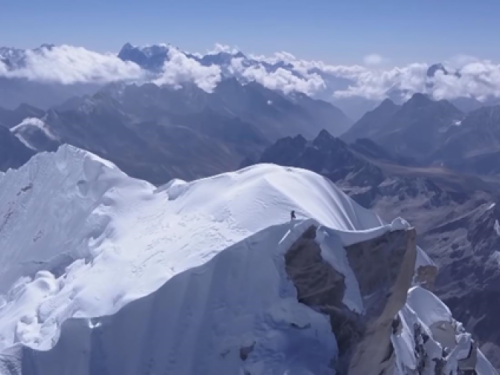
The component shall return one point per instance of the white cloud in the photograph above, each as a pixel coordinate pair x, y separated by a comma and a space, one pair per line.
218, 48
277, 57
376, 84
180, 69
476, 78
373, 59
459, 61
479, 79
68, 65
306, 66
280, 79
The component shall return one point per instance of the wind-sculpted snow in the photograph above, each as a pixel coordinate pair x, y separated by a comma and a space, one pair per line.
104, 274
237, 311
102, 239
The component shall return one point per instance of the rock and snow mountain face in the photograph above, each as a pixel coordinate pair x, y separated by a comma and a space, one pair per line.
238, 121
155, 144
157, 133
18, 91
455, 217
372, 122
10, 118
415, 129
469, 278
101, 273
435, 133
13, 153
369, 172
274, 114
473, 145
326, 155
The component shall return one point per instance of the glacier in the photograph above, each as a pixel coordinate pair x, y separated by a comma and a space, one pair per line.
101, 273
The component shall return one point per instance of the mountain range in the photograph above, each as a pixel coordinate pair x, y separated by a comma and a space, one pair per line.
435, 133
158, 132
43, 76
433, 162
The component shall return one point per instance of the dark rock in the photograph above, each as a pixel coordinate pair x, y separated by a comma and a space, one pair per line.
13, 153
384, 270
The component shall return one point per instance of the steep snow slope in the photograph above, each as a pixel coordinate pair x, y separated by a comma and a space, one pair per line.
239, 305
73, 209
80, 239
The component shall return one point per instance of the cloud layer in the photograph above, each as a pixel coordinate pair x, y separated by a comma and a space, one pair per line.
180, 69
68, 65
278, 79
281, 71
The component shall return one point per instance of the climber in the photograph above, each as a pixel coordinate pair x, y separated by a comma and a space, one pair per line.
292, 215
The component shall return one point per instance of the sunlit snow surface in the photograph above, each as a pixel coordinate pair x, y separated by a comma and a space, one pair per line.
79, 238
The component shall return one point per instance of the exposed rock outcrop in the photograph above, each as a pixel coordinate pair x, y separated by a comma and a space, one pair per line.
426, 275
383, 268
440, 344
401, 328
457, 218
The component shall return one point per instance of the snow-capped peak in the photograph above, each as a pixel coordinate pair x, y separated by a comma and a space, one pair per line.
86, 207
190, 277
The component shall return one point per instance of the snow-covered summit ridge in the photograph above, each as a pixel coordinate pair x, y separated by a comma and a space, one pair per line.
81, 222
80, 239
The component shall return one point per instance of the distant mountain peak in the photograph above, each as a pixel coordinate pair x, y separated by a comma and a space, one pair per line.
151, 57
421, 97
48, 46
127, 47
387, 103
324, 135
418, 100
434, 68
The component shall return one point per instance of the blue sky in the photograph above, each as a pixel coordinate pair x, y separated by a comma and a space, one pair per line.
334, 31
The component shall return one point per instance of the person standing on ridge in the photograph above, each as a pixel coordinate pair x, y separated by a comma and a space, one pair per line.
292, 215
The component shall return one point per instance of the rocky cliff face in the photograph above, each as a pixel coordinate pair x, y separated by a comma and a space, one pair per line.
455, 217
383, 268
13, 153
401, 329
